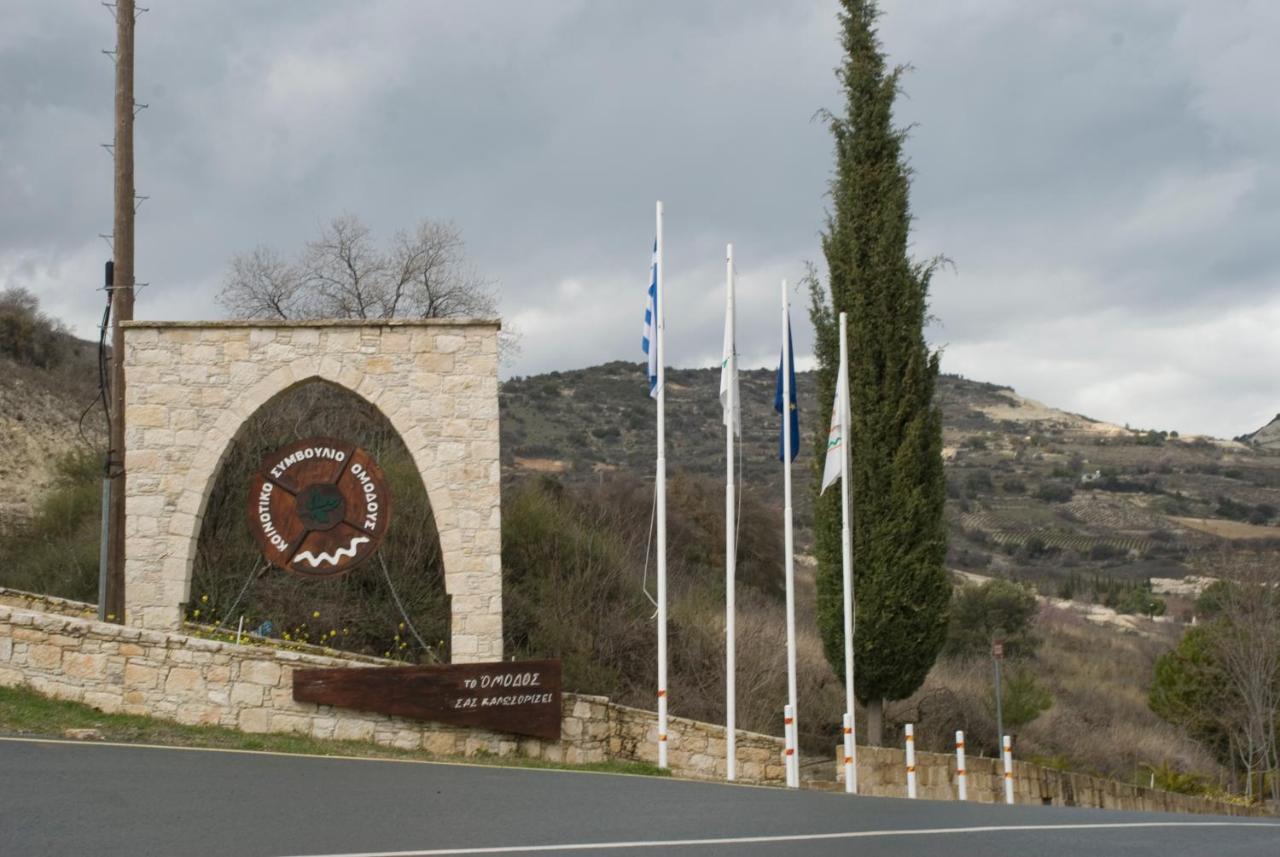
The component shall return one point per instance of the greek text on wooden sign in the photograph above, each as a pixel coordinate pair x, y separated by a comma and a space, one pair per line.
519, 697
318, 507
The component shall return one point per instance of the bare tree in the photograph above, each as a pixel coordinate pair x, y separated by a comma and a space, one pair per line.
343, 273
1247, 648
262, 284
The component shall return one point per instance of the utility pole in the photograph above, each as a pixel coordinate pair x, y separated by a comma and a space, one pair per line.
997, 655
121, 301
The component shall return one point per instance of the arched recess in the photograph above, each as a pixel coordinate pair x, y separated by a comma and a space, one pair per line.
191, 386
394, 604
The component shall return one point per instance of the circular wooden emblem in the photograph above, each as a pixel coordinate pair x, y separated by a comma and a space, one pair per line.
319, 507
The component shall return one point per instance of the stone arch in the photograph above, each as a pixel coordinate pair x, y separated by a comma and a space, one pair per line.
191, 386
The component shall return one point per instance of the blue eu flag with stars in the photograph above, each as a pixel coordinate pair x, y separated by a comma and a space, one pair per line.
791, 406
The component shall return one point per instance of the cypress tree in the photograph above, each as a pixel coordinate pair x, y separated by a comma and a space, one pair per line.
898, 486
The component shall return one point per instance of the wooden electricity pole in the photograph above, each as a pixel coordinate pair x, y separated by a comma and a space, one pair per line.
121, 300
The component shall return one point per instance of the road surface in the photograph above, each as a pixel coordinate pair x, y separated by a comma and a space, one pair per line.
74, 798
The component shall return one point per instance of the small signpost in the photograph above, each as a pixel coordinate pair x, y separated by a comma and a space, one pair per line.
319, 507
997, 655
519, 697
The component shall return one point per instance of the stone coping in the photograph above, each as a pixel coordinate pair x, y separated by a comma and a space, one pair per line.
237, 324
24, 600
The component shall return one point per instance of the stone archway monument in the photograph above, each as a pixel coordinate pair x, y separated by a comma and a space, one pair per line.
191, 386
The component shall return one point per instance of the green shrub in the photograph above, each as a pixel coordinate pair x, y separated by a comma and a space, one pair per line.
1025, 699
979, 612
1054, 492
55, 550
28, 335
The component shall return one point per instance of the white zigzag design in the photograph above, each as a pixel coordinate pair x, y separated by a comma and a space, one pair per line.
331, 558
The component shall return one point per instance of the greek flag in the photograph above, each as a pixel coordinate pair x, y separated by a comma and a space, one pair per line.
649, 342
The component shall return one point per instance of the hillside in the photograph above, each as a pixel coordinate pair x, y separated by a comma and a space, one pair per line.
1079, 507
47, 379
1267, 437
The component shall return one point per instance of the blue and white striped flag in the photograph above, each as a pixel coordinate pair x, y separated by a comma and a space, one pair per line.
649, 343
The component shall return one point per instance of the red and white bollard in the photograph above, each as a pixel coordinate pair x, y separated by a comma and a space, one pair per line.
789, 737
911, 761
962, 779
1008, 771
850, 757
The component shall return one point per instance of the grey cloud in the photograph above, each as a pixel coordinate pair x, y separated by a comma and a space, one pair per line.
1103, 175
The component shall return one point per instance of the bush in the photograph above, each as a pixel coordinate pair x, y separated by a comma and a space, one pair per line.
28, 335
1014, 485
979, 612
978, 481
1233, 509
1054, 492
1024, 698
55, 551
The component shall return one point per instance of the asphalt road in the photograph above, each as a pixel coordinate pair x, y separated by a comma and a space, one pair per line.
70, 798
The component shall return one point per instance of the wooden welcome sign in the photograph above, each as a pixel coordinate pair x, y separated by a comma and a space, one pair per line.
519, 697
319, 507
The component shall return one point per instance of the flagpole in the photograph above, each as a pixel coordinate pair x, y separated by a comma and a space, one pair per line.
661, 488
793, 775
730, 542
846, 557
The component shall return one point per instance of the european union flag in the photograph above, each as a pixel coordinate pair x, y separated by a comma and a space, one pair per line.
777, 402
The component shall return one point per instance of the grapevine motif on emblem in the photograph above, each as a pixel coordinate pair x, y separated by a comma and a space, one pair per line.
319, 507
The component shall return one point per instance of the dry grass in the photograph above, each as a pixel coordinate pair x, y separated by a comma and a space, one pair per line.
1225, 529
1099, 722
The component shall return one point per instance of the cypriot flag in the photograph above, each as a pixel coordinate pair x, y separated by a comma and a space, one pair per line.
837, 435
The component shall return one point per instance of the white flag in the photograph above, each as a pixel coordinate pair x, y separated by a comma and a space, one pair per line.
837, 436
730, 401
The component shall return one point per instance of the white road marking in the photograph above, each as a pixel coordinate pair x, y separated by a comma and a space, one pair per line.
795, 837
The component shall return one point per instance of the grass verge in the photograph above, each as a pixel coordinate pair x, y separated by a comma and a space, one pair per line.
25, 713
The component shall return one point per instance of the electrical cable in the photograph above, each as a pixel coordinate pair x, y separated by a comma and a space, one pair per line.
644, 582
102, 376
258, 565
396, 597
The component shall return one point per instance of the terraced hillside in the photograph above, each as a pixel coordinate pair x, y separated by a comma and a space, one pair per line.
1034, 493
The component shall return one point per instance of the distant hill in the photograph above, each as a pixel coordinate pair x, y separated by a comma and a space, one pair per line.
1267, 437
1035, 493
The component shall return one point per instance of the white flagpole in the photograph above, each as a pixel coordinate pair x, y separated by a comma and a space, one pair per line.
793, 775
661, 487
730, 542
846, 550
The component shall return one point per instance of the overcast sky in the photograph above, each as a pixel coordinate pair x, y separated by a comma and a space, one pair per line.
1105, 176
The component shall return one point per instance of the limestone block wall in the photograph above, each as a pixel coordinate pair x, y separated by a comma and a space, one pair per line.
882, 771
204, 682
190, 387
198, 681
694, 748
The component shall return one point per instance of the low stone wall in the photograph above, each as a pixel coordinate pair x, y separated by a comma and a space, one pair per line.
192, 680
882, 771
205, 682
